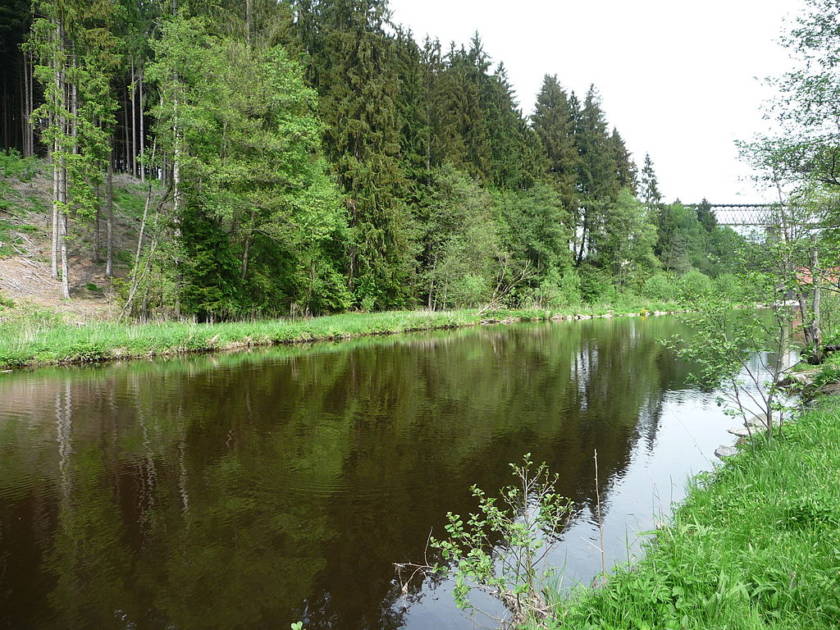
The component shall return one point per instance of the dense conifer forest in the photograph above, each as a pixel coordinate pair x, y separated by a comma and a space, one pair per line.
311, 156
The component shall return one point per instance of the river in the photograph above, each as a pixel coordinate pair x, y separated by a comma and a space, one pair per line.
251, 490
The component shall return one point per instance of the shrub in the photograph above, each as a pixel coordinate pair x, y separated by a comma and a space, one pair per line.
695, 285
660, 286
596, 285
557, 291
730, 286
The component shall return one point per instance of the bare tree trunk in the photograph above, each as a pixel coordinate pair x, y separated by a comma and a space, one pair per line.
176, 166
65, 265
24, 114
56, 163
816, 303
57, 154
249, 20
248, 244
97, 232
125, 134
109, 221
142, 132
133, 89
30, 88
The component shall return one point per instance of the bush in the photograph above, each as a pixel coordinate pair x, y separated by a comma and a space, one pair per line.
695, 285
558, 291
596, 285
729, 286
660, 286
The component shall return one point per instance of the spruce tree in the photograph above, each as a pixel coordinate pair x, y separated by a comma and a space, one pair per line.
625, 169
554, 124
355, 70
597, 180
649, 185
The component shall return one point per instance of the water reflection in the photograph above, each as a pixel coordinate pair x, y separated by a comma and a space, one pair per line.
251, 490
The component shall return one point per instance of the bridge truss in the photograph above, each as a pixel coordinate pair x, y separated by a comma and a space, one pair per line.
762, 215
769, 216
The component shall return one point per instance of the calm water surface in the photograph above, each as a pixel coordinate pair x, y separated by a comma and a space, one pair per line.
252, 490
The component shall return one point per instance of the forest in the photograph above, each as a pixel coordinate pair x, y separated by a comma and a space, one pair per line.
311, 156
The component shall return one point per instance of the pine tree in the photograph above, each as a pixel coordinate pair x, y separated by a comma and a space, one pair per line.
554, 124
355, 70
706, 216
597, 179
649, 186
625, 169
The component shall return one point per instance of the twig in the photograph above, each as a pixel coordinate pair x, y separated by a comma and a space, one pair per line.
600, 521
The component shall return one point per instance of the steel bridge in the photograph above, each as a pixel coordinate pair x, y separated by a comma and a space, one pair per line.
742, 214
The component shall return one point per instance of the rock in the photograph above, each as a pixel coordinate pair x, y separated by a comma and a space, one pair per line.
725, 451
760, 422
741, 431
832, 389
798, 378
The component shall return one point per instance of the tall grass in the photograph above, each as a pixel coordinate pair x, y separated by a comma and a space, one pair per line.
31, 336
755, 546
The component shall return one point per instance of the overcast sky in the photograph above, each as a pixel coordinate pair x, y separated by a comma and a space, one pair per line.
678, 78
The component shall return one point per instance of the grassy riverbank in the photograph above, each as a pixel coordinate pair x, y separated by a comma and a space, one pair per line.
755, 546
31, 336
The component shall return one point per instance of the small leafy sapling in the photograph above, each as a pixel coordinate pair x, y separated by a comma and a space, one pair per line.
499, 549
742, 352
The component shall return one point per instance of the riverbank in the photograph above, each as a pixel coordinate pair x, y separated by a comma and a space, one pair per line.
754, 546
31, 337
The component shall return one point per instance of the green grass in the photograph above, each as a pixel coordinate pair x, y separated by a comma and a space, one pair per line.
30, 336
9, 238
755, 546
21, 168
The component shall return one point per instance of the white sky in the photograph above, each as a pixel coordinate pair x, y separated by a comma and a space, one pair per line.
678, 78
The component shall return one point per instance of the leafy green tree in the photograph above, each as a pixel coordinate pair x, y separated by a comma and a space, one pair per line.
535, 229
681, 242
706, 216
460, 243
76, 55
257, 216
807, 107
627, 245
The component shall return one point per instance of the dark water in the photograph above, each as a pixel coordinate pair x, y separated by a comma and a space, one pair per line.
252, 490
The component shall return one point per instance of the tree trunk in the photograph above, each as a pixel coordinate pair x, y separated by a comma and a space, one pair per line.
249, 20
248, 244
142, 132
109, 221
125, 134
133, 88
65, 266
55, 209
816, 303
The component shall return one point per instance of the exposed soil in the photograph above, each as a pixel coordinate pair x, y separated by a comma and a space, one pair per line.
25, 275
